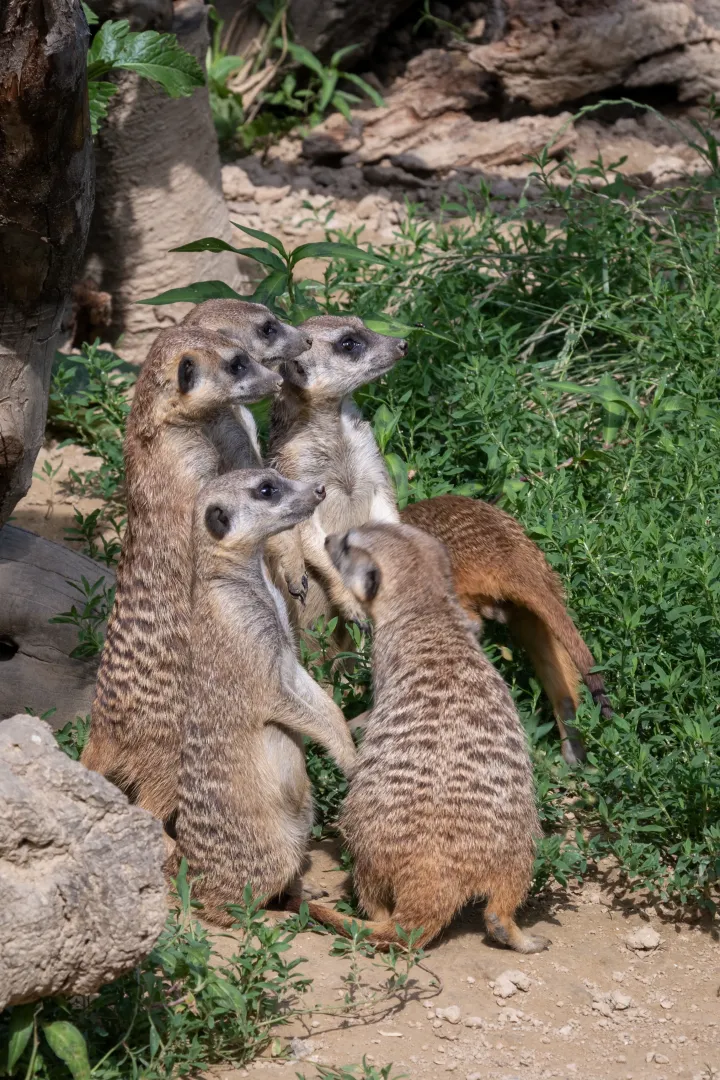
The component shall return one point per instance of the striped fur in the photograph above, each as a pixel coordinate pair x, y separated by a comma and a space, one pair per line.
441, 807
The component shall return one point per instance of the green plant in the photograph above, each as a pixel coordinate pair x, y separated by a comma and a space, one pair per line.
89, 405
89, 619
322, 90
73, 736
226, 104
350, 1072
153, 56
185, 1008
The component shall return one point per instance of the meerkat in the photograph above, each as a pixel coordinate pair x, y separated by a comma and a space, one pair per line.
263, 336
441, 806
245, 809
318, 434
500, 574
181, 424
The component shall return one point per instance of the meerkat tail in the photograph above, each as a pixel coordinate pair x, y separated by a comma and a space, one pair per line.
383, 932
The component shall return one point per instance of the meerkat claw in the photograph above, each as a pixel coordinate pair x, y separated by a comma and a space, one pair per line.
300, 592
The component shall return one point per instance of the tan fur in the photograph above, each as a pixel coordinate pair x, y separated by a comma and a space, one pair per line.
499, 573
441, 807
245, 810
177, 438
317, 434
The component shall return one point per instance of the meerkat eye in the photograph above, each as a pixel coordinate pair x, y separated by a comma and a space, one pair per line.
270, 329
217, 521
266, 490
349, 344
238, 363
186, 374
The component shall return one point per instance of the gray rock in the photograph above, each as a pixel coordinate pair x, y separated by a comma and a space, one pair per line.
82, 894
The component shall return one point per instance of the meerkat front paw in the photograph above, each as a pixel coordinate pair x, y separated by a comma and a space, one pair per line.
298, 587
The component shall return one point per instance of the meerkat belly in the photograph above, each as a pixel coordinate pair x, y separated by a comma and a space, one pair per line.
290, 785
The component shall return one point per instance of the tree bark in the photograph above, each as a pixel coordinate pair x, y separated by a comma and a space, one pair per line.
46, 199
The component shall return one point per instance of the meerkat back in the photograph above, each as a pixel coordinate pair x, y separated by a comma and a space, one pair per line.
441, 807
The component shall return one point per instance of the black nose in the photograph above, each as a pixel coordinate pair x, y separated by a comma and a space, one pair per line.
403, 347
320, 491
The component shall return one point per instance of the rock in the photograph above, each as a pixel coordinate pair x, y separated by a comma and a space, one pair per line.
474, 1022
619, 1000
662, 1059
550, 54
666, 1003
323, 28
301, 1049
271, 194
642, 939
37, 670
383, 175
451, 1014
236, 183
82, 894
509, 982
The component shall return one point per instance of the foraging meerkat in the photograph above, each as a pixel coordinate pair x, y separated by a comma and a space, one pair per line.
180, 426
318, 434
500, 574
245, 809
441, 806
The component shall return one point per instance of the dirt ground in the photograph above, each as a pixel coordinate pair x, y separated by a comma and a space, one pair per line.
594, 1008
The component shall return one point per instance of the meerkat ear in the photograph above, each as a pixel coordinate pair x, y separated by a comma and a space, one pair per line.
186, 374
217, 521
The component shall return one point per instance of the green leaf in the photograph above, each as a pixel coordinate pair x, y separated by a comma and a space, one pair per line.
262, 255
99, 94
271, 287
367, 89
399, 473
303, 56
208, 243
69, 1045
384, 423
329, 84
195, 294
340, 54
221, 69
267, 238
90, 16
340, 103
327, 249
21, 1028
385, 324
154, 56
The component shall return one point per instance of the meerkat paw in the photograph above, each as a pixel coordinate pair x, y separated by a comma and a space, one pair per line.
532, 943
298, 587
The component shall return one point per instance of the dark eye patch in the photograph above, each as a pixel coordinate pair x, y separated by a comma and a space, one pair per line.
238, 364
372, 583
270, 329
267, 491
186, 374
217, 521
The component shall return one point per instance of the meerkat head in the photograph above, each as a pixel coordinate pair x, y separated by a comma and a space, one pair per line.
199, 372
387, 565
253, 327
344, 355
243, 508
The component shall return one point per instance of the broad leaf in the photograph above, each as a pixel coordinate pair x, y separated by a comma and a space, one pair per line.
327, 249
262, 255
341, 54
90, 17
66, 1041
385, 324
367, 89
399, 473
222, 68
271, 287
329, 84
154, 56
258, 234
195, 294
208, 243
99, 94
303, 56
21, 1028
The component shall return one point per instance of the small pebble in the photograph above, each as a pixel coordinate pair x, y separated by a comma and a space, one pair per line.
451, 1014
643, 939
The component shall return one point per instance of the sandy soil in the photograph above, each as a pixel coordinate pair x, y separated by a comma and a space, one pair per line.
595, 1008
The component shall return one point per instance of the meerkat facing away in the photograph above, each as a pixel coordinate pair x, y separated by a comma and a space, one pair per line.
318, 434
181, 410
500, 574
441, 806
245, 810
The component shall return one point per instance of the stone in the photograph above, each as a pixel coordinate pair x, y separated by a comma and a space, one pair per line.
643, 939
82, 893
451, 1014
301, 1049
474, 1022
509, 982
236, 183
619, 1000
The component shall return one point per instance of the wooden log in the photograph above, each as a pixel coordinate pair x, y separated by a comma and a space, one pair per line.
36, 669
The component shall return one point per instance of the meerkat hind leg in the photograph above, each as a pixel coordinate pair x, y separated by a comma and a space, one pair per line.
502, 903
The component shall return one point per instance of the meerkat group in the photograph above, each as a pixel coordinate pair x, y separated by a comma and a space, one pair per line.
201, 702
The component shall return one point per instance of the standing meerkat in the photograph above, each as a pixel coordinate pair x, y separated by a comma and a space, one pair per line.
441, 806
245, 808
500, 574
180, 426
318, 434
